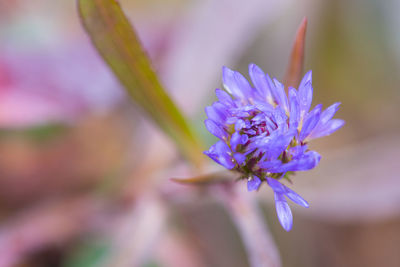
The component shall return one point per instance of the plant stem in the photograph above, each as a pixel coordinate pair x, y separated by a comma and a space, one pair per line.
253, 230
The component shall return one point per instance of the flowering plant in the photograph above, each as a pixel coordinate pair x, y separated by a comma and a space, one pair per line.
264, 133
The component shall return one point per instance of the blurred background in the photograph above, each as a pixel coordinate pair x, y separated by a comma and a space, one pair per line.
84, 175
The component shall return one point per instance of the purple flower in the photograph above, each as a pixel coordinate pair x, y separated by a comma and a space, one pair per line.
264, 132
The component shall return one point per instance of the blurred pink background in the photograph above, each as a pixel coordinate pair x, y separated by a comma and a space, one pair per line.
84, 175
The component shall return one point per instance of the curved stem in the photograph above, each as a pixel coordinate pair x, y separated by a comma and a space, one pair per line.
253, 230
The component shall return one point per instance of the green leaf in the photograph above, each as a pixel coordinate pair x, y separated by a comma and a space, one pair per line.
37, 133
91, 253
118, 44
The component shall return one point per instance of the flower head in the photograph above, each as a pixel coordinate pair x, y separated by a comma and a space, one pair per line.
264, 132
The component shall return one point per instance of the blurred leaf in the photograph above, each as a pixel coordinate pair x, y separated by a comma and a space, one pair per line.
152, 264
40, 133
296, 62
118, 44
89, 254
214, 177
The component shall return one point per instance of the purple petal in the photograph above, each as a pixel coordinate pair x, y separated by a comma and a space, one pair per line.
271, 125
297, 151
228, 78
276, 185
236, 140
224, 153
216, 129
272, 89
251, 132
296, 198
243, 84
259, 80
212, 153
276, 144
294, 108
266, 165
245, 138
283, 211
243, 111
306, 162
240, 158
231, 120
221, 153
258, 118
217, 112
239, 125
306, 79
328, 113
282, 189
264, 107
327, 128
280, 117
305, 93
224, 98
310, 122
236, 84
253, 183
280, 95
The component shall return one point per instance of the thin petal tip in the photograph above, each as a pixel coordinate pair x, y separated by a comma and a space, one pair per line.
253, 183
255, 68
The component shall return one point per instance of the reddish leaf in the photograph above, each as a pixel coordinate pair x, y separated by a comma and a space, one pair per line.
296, 62
221, 176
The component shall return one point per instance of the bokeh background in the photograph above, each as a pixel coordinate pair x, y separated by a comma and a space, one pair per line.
84, 175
